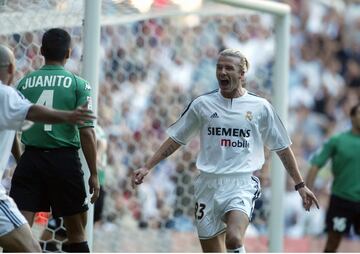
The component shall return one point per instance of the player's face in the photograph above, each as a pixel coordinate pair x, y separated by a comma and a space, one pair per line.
229, 75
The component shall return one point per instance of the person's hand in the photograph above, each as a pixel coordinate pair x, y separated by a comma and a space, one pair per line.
94, 188
138, 176
81, 115
308, 198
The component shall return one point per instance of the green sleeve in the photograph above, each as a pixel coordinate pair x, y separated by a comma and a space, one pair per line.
84, 96
327, 151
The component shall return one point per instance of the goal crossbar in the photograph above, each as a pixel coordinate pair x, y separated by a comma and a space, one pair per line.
259, 5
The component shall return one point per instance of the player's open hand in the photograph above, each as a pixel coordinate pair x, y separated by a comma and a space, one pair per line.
308, 198
81, 115
94, 188
138, 176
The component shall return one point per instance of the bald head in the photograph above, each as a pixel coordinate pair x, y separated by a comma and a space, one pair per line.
7, 64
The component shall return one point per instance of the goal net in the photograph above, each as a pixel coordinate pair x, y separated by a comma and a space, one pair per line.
156, 56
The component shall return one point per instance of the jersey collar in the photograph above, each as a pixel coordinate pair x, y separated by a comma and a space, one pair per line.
52, 67
237, 98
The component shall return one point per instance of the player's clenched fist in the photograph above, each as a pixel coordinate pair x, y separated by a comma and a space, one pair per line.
138, 176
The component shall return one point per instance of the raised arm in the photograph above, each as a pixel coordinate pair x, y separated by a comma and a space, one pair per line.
166, 149
288, 159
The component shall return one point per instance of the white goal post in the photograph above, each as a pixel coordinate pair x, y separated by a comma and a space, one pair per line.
90, 72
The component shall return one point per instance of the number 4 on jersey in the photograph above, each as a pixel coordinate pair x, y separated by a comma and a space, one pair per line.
46, 99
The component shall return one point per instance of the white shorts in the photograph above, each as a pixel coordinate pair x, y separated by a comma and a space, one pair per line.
10, 216
215, 195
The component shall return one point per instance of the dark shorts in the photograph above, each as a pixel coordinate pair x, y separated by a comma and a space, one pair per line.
49, 178
342, 214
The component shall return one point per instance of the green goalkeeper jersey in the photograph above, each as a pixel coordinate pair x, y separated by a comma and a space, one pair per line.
344, 150
55, 87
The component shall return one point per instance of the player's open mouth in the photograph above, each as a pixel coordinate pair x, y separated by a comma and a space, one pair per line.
224, 82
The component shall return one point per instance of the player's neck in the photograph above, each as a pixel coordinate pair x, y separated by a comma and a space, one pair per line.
234, 94
52, 62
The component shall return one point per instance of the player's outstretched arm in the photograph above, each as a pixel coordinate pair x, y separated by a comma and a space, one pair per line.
166, 149
88, 145
288, 159
39, 113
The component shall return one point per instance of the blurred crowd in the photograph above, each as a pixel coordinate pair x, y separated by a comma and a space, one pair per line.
150, 70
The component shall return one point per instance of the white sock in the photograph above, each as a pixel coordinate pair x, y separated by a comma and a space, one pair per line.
238, 250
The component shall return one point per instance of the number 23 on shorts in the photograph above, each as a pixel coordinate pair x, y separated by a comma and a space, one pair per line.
199, 210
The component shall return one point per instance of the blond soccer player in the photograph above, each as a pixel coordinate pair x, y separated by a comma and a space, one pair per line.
234, 126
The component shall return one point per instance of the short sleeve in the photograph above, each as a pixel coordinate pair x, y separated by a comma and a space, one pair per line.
273, 131
13, 108
186, 126
321, 156
83, 97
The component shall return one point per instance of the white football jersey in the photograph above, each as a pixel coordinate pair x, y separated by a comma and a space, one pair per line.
13, 110
233, 132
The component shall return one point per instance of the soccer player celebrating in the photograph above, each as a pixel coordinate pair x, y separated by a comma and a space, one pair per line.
49, 173
15, 233
344, 208
234, 125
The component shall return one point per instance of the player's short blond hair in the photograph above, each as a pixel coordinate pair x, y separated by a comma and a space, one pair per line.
244, 63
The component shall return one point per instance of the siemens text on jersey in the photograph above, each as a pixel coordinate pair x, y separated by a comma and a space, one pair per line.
47, 81
220, 131
234, 132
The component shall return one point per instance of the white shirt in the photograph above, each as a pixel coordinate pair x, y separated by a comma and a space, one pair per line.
233, 132
13, 110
